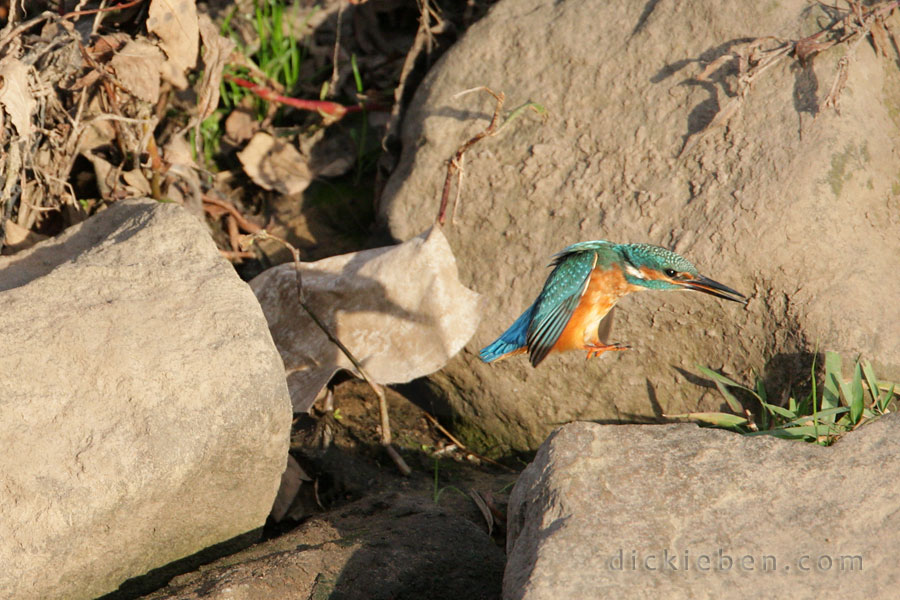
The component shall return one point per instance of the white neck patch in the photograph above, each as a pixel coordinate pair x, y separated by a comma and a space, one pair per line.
637, 274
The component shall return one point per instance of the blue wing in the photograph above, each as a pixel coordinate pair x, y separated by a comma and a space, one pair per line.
561, 294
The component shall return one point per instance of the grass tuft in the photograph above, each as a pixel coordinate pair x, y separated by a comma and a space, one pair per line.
842, 407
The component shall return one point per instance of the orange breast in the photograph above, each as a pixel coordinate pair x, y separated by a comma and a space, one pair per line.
604, 289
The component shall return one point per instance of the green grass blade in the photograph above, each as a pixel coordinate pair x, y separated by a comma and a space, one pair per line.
781, 412
885, 400
822, 417
831, 394
721, 383
790, 433
857, 395
871, 380
356, 76
718, 419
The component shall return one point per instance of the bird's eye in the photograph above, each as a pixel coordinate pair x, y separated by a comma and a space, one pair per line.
670, 272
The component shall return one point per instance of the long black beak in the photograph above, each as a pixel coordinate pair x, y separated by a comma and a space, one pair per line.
714, 288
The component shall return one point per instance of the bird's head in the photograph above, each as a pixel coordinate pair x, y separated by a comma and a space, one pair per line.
656, 268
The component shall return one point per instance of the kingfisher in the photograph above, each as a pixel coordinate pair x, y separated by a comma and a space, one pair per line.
573, 310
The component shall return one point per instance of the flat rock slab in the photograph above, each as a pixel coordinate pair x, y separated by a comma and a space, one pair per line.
400, 310
144, 414
789, 203
673, 511
388, 547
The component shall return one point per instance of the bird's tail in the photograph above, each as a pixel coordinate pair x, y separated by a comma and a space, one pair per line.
513, 340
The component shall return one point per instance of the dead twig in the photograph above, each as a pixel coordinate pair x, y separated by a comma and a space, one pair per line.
120, 6
462, 446
856, 24
386, 439
329, 109
229, 208
454, 166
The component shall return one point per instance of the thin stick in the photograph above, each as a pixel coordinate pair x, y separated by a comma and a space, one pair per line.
325, 107
121, 6
382, 400
332, 84
462, 446
455, 163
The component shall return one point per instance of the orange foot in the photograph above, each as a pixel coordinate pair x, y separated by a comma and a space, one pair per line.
598, 349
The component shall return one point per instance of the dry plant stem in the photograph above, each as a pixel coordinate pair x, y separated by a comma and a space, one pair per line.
324, 107
462, 446
236, 255
120, 6
7, 37
382, 400
332, 84
454, 165
242, 222
856, 22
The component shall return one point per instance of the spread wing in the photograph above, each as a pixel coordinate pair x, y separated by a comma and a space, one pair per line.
557, 301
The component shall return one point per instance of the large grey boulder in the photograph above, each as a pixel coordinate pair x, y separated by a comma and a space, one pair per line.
789, 203
144, 414
673, 511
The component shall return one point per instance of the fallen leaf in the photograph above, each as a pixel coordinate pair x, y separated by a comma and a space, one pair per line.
401, 310
291, 480
16, 98
485, 511
275, 165
175, 23
240, 125
18, 238
137, 67
216, 50
330, 153
183, 173
137, 182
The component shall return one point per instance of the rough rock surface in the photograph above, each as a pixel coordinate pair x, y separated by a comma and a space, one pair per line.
399, 309
144, 414
631, 511
389, 547
790, 203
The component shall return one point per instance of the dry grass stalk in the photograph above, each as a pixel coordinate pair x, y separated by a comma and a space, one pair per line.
753, 58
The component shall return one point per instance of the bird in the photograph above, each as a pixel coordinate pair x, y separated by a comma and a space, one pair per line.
574, 309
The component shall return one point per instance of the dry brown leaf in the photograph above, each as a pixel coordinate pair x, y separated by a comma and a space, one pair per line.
86, 80
15, 96
175, 23
18, 238
137, 66
275, 165
102, 50
291, 480
485, 511
138, 184
805, 49
177, 151
240, 125
114, 183
330, 153
401, 310
216, 50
